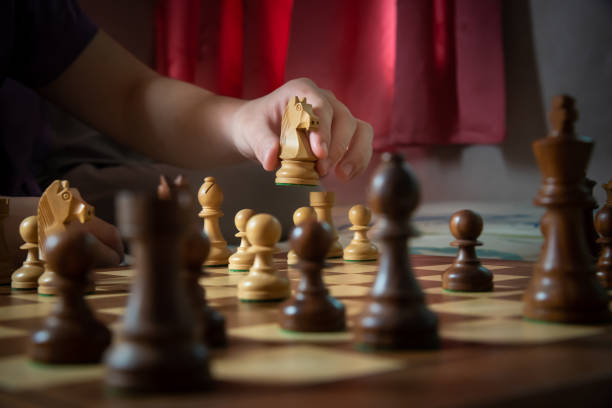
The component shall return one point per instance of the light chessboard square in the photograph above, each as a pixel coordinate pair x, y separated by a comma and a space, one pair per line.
300, 364
347, 290
348, 279
352, 267
485, 307
18, 373
439, 291
515, 331
273, 332
497, 277
232, 279
444, 267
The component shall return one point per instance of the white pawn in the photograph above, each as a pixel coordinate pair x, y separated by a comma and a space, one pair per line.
210, 197
360, 248
263, 283
242, 260
299, 216
26, 277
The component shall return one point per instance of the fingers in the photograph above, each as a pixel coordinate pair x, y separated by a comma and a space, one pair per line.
266, 148
108, 247
343, 128
358, 154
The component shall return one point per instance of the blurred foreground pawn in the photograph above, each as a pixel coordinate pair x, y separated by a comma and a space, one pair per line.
564, 287
242, 260
263, 283
603, 223
322, 202
209, 323
210, 197
26, 277
5, 258
312, 309
299, 216
157, 349
360, 248
466, 273
71, 334
297, 159
58, 206
395, 316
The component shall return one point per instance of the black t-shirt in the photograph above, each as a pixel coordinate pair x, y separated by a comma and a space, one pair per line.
39, 39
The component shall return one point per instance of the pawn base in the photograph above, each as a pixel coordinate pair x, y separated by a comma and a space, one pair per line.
313, 315
360, 252
395, 326
263, 288
297, 172
69, 343
467, 278
27, 276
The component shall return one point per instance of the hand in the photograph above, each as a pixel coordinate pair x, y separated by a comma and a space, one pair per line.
341, 140
108, 248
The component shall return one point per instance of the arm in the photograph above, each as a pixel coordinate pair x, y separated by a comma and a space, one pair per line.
188, 126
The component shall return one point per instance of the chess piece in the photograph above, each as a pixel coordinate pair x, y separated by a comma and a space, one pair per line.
322, 202
58, 206
5, 258
71, 334
157, 349
210, 197
466, 273
312, 309
589, 223
564, 287
603, 223
263, 283
300, 215
242, 259
297, 159
26, 277
209, 323
395, 316
360, 249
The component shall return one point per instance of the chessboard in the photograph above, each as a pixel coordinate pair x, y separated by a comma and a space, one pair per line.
489, 355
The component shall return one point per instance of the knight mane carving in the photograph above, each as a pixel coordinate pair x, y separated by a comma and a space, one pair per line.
298, 119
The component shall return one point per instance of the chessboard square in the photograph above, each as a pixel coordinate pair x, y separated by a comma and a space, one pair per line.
227, 280
219, 270
486, 307
7, 332
497, 277
219, 292
273, 332
352, 267
18, 373
301, 364
444, 267
126, 273
346, 279
26, 311
347, 290
437, 290
514, 331
117, 311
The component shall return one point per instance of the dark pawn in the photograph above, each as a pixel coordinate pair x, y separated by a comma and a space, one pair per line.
157, 349
603, 223
71, 334
466, 273
210, 324
396, 316
312, 309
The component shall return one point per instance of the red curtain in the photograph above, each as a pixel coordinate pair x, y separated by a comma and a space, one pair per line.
421, 71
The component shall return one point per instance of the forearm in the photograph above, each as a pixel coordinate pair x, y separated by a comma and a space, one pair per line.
181, 124
169, 120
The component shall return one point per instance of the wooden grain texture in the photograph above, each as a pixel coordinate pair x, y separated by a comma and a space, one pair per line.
297, 159
467, 273
530, 364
